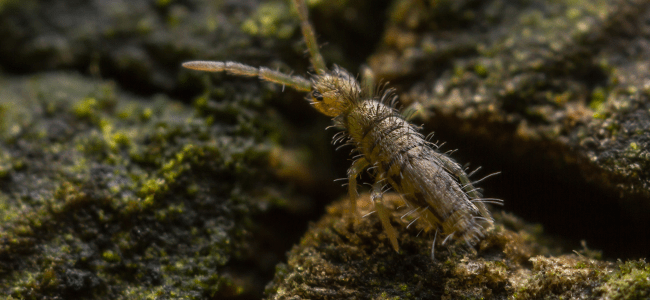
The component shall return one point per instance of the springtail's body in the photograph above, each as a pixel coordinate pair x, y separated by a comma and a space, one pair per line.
435, 188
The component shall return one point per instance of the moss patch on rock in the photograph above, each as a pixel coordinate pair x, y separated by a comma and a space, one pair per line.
105, 195
551, 89
551, 73
340, 258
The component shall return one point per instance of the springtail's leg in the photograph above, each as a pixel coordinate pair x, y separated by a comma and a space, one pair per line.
357, 167
384, 216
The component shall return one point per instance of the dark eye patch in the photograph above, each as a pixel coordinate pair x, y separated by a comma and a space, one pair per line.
316, 95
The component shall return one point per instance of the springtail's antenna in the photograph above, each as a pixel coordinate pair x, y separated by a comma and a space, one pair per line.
316, 58
297, 82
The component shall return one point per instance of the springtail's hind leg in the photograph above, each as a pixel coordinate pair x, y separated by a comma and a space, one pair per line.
384, 216
357, 167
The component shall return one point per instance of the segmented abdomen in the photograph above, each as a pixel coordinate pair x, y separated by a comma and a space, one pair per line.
429, 181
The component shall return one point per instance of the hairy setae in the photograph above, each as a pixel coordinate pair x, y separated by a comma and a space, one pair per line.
435, 188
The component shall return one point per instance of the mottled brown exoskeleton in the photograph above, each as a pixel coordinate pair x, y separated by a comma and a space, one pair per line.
435, 188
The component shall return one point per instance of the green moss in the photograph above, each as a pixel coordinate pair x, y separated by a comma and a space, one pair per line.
163, 3
271, 19
403, 287
7, 163
598, 97
110, 256
480, 70
126, 183
85, 108
599, 116
146, 115
630, 281
634, 146
533, 58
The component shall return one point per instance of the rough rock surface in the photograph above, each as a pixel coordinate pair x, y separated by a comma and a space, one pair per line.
106, 195
561, 87
117, 188
340, 258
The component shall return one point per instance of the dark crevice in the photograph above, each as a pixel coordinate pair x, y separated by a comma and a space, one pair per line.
539, 186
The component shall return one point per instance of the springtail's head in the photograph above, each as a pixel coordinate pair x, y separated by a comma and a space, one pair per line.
333, 92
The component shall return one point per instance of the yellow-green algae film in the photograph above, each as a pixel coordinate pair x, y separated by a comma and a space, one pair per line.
104, 195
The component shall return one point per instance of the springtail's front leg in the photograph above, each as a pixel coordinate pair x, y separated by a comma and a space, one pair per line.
357, 167
377, 197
